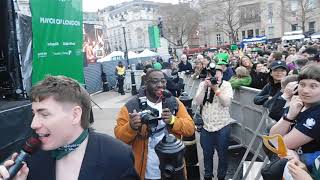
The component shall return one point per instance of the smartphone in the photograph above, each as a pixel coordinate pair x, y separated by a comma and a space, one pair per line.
295, 89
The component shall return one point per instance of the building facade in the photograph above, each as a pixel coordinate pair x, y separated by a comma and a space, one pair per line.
139, 16
258, 18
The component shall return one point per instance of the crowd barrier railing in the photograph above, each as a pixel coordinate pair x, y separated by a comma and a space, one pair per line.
250, 123
137, 76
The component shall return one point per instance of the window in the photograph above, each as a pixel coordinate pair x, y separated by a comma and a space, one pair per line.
294, 5
257, 32
270, 32
140, 37
312, 4
243, 34
294, 27
312, 26
250, 33
219, 42
270, 11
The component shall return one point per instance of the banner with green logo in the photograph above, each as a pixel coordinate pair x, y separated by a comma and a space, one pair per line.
57, 38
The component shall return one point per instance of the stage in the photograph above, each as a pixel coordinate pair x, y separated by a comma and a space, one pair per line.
15, 119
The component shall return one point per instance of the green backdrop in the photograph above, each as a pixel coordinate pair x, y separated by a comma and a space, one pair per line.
57, 39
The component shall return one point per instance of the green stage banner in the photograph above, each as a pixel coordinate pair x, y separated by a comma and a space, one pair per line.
57, 39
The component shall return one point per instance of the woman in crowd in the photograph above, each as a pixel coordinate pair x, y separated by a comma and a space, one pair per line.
259, 75
271, 91
246, 62
299, 63
215, 95
197, 69
304, 116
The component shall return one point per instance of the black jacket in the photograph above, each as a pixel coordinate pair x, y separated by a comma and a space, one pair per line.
270, 89
104, 158
277, 109
185, 67
259, 80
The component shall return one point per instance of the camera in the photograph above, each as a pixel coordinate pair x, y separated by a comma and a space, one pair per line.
211, 68
150, 117
213, 80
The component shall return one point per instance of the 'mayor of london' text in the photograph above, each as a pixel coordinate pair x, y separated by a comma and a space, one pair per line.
65, 22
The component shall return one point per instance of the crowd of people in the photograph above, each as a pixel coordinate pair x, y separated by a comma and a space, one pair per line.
289, 79
280, 74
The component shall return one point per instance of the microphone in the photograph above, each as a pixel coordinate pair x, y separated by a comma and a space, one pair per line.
32, 144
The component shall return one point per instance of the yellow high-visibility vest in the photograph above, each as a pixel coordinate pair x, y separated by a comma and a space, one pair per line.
121, 70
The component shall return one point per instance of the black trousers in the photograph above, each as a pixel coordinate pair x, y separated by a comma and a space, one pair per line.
120, 84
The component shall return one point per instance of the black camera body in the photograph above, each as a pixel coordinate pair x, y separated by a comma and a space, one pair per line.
149, 115
213, 80
211, 68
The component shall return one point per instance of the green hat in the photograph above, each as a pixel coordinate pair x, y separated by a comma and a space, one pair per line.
233, 47
223, 58
157, 66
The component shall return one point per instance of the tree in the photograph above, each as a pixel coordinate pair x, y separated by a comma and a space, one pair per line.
228, 19
178, 23
300, 11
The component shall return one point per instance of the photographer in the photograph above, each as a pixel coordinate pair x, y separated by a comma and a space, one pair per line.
215, 95
144, 134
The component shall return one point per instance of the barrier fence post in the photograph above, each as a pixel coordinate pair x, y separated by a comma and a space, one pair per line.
191, 153
133, 84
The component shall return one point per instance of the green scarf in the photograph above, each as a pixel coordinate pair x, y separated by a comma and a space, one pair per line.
64, 150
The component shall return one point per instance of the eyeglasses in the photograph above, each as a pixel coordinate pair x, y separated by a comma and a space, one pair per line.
156, 81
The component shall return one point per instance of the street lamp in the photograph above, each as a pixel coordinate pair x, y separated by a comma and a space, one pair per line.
133, 82
123, 25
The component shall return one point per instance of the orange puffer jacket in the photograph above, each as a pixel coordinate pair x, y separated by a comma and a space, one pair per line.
183, 126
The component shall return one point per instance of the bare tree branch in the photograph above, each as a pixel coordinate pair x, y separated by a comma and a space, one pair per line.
228, 18
179, 23
304, 11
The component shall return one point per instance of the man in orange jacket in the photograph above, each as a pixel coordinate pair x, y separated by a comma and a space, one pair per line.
143, 138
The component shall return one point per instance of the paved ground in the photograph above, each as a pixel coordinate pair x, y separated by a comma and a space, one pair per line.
110, 104
105, 118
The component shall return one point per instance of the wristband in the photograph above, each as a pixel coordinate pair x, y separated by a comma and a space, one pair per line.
218, 93
287, 119
173, 119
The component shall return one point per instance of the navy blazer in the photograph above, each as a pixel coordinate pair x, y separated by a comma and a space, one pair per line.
104, 158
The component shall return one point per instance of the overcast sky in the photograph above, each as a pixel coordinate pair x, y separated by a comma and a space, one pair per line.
94, 5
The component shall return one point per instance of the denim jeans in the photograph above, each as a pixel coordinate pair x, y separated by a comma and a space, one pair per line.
218, 140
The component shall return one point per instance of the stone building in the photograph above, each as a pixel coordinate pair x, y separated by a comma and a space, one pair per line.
139, 16
257, 18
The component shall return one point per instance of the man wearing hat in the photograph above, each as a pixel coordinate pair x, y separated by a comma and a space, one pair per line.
223, 61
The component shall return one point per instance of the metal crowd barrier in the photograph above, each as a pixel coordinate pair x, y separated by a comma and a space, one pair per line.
137, 76
250, 123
